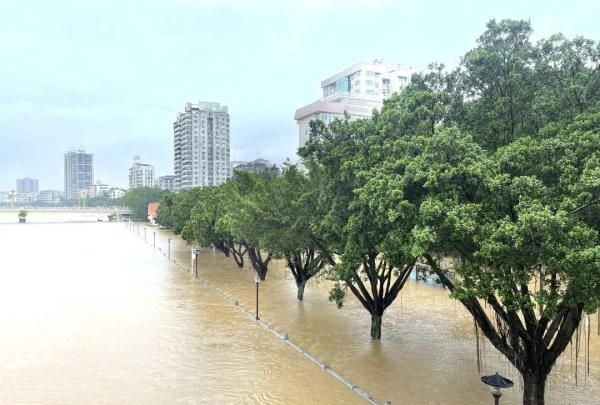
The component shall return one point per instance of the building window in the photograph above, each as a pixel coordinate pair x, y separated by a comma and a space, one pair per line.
342, 85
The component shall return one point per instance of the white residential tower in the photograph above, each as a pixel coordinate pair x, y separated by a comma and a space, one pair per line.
201, 146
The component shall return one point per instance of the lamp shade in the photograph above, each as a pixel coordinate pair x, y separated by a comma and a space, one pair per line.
496, 380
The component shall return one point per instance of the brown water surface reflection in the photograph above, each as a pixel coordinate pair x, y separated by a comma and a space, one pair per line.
92, 315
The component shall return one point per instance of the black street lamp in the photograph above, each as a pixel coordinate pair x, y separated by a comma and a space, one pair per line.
169, 249
496, 383
195, 252
257, 281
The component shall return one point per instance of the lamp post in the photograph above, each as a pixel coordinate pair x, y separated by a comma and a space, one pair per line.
496, 383
169, 249
195, 252
154, 240
257, 281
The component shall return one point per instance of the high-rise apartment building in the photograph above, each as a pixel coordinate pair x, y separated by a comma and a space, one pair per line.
355, 91
141, 175
79, 172
201, 146
27, 185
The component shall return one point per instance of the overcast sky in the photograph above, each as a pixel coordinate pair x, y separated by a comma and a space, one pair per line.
111, 75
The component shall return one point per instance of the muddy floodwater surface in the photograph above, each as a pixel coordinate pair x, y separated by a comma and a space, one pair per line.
92, 313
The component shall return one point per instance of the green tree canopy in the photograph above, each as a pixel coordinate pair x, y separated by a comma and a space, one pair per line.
505, 192
137, 200
338, 157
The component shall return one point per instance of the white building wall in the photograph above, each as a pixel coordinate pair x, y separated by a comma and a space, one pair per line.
141, 175
201, 146
355, 91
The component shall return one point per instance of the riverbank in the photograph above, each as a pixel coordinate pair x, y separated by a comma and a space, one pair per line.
57, 215
428, 350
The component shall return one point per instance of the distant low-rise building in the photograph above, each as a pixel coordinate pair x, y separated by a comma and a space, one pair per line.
50, 197
116, 193
26, 198
166, 182
236, 163
257, 166
98, 189
153, 211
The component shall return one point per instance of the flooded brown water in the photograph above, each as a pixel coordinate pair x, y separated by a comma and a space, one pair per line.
90, 313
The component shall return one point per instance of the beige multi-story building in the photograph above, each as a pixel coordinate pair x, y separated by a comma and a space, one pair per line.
116, 193
355, 91
98, 189
141, 175
201, 146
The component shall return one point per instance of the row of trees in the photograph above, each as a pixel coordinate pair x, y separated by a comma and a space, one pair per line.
491, 171
255, 218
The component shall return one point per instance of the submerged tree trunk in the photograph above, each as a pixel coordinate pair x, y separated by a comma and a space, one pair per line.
534, 386
531, 343
378, 292
376, 326
238, 252
301, 286
304, 264
222, 246
260, 265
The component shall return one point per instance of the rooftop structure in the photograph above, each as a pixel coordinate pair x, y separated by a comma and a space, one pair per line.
355, 91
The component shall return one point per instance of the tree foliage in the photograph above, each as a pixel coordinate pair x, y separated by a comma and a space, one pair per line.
489, 174
338, 157
505, 189
137, 200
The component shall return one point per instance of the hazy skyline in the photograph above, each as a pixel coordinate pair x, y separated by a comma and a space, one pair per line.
111, 76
